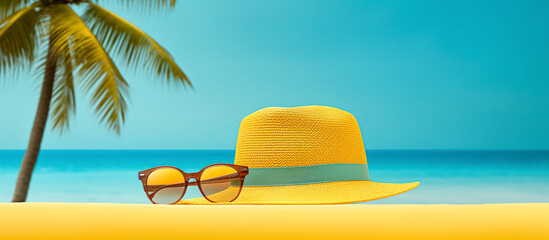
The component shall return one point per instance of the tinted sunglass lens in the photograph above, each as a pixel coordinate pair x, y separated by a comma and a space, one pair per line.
220, 183
166, 185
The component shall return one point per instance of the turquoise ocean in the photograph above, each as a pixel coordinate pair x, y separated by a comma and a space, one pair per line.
453, 176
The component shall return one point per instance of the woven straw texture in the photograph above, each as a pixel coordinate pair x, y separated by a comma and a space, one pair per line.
304, 136
299, 136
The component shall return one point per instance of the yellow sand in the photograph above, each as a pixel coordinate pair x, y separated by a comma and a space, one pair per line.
134, 221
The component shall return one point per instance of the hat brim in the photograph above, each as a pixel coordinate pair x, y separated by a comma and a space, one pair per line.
316, 193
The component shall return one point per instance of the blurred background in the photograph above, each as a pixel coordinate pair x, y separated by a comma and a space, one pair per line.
452, 94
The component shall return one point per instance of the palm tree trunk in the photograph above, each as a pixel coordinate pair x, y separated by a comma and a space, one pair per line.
37, 132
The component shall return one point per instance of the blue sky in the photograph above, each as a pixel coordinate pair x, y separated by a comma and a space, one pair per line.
416, 74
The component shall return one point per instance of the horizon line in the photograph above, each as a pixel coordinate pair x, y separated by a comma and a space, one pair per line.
377, 149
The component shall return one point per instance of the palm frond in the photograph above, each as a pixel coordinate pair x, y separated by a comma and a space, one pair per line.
94, 68
8, 7
125, 40
63, 103
39, 64
143, 4
19, 36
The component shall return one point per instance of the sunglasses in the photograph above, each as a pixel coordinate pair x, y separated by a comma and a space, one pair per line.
217, 183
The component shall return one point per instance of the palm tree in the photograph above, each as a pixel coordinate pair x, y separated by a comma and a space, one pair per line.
74, 50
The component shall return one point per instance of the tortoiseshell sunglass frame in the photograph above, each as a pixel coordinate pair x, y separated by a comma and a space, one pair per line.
144, 175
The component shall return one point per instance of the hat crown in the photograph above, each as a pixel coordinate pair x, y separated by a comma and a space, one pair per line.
299, 136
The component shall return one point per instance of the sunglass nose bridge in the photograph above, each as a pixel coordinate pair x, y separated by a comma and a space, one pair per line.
195, 176
191, 180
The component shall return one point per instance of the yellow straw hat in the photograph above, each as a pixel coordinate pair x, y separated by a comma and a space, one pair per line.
305, 155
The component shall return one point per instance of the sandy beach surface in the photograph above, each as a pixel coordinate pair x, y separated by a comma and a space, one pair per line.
389, 221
